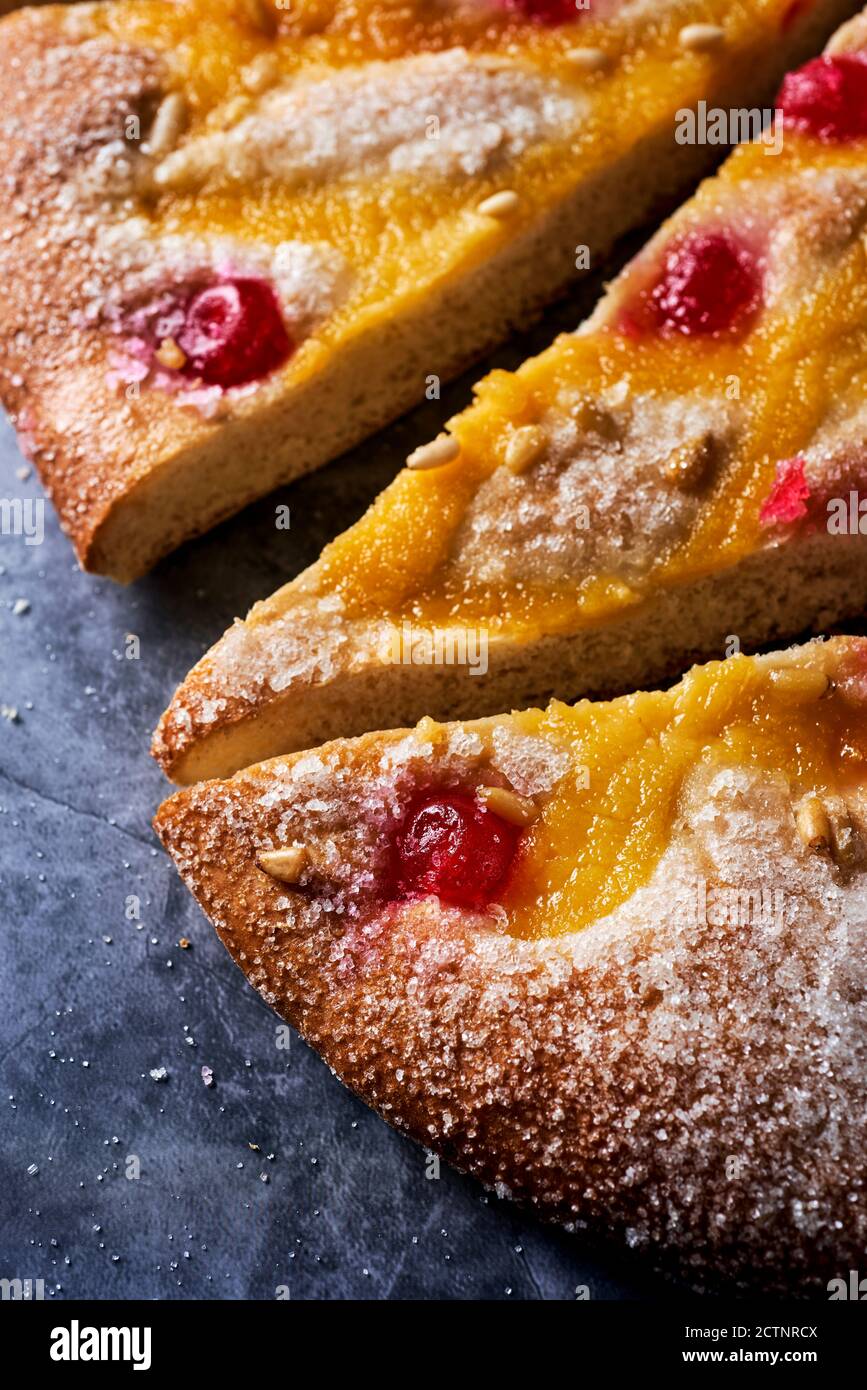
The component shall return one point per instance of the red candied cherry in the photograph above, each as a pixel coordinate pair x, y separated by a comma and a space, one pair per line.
546, 11
787, 500
452, 845
233, 333
710, 284
827, 98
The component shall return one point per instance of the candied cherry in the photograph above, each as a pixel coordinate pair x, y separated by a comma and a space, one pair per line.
787, 500
452, 845
827, 98
546, 11
709, 284
233, 333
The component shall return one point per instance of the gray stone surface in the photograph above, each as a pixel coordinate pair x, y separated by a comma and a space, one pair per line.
91, 1001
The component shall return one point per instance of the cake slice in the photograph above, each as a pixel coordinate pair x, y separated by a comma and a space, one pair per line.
240, 236
609, 958
685, 474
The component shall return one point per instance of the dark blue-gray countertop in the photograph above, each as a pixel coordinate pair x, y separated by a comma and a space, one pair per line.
331, 1203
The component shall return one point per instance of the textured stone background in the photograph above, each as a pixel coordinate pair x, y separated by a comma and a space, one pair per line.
91, 1001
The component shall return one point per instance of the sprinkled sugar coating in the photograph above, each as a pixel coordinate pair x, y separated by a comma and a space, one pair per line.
601, 500
690, 1080
378, 119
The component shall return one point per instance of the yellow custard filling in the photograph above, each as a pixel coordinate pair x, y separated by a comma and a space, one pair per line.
603, 831
794, 364
399, 241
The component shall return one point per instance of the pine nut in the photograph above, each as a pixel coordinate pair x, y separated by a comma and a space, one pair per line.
261, 72
500, 204
701, 38
814, 824
168, 124
169, 355
799, 686
508, 805
588, 59
440, 451
524, 447
688, 466
285, 864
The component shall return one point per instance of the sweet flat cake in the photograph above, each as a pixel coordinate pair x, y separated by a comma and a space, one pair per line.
610, 958
684, 475
239, 237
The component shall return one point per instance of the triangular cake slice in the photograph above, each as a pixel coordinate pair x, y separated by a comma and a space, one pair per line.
238, 236
608, 958
680, 475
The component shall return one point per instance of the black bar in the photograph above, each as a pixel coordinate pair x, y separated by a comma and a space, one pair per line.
195, 1337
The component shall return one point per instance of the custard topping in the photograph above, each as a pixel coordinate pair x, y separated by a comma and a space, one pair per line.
604, 828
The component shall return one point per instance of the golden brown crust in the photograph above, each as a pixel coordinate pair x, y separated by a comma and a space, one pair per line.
65, 97
695, 1089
